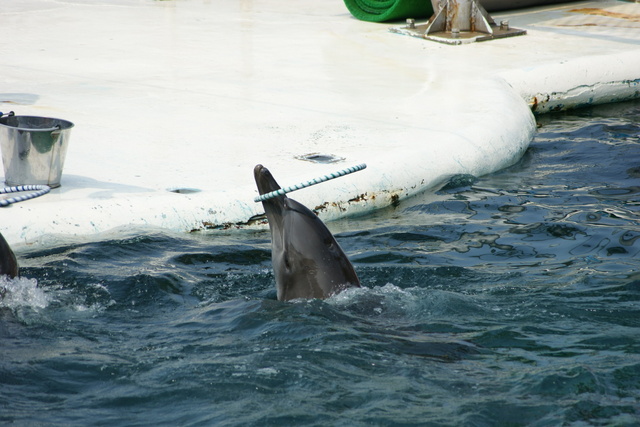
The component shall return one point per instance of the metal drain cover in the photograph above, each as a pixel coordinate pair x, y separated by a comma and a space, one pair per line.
320, 158
184, 190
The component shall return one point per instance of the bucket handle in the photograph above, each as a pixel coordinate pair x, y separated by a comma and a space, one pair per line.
57, 129
9, 114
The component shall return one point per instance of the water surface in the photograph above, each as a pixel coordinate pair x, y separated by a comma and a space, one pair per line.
509, 299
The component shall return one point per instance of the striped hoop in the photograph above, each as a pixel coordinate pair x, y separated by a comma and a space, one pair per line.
37, 191
305, 184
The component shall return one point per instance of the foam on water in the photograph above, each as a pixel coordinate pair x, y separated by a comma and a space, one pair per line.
31, 302
22, 292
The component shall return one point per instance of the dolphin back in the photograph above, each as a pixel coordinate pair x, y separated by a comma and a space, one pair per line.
8, 262
314, 264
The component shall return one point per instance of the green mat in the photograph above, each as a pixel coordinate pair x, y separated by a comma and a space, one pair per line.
388, 10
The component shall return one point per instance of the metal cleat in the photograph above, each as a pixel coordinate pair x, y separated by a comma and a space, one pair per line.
458, 22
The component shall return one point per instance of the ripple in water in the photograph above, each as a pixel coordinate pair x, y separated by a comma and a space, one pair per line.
509, 299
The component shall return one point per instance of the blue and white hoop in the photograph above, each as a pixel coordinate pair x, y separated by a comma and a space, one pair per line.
305, 184
37, 191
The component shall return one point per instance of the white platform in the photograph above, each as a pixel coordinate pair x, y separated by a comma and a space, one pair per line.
191, 94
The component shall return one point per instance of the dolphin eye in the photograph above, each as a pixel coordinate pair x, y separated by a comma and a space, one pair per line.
285, 259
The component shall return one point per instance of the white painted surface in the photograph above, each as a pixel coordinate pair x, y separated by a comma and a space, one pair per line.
194, 93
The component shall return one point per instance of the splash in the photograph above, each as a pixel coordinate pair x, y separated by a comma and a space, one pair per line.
389, 300
22, 292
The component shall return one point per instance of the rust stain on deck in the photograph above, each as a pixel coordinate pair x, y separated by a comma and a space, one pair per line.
607, 13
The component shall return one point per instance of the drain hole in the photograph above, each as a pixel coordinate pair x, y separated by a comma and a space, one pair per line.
320, 158
184, 190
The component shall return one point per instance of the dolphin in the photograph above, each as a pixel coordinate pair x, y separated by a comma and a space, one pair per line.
8, 263
307, 260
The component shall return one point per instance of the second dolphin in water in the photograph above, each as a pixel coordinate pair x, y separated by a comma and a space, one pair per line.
8, 263
307, 260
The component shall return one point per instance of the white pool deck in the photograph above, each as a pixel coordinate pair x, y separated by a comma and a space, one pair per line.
192, 94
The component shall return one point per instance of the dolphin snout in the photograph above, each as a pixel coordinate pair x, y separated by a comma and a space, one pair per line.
264, 180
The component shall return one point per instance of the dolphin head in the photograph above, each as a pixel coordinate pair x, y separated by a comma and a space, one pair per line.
307, 260
274, 208
264, 180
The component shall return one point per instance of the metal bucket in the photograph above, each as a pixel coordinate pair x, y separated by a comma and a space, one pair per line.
33, 149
